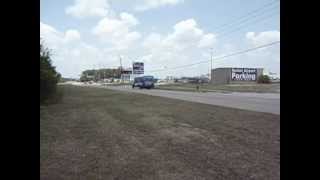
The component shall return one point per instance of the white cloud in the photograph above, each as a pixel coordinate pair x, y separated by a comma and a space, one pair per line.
51, 36
45, 29
154, 40
147, 58
129, 19
117, 31
75, 52
263, 37
72, 35
88, 8
101, 8
114, 25
207, 41
151, 4
186, 35
268, 57
184, 45
71, 58
187, 43
56, 38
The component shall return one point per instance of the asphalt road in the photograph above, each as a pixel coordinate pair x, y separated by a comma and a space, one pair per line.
260, 102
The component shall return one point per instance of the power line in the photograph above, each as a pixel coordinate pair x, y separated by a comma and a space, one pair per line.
248, 50
183, 66
222, 57
247, 21
243, 21
224, 35
248, 14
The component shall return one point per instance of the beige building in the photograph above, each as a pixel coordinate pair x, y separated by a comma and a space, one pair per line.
235, 75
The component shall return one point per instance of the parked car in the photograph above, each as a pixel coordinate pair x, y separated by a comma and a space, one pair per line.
143, 82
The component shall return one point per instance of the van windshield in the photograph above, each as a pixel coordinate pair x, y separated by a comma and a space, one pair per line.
138, 79
148, 78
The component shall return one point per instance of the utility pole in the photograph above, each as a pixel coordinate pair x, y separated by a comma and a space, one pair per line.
120, 68
132, 70
104, 73
94, 73
99, 76
120, 63
211, 53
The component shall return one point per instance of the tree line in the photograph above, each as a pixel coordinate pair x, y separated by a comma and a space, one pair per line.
99, 74
49, 77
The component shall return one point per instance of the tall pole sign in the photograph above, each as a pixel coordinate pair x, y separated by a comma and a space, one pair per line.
138, 68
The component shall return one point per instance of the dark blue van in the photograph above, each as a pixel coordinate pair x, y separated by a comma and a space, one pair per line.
143, 82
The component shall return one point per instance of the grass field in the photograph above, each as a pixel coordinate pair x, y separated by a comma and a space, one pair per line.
259, 88
102, 134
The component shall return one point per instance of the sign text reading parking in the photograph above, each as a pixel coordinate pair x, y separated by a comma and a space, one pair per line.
244, 74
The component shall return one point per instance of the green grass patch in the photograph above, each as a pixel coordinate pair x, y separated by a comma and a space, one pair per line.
258, 88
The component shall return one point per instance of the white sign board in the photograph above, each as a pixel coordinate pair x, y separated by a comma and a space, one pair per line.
138, 68
244, 74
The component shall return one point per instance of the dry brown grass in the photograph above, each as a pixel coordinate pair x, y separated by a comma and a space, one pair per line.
102, 134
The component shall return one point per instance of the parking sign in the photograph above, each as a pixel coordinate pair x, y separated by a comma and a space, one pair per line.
138, 68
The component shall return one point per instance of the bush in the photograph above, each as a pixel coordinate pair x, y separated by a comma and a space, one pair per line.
48, 75
264, 79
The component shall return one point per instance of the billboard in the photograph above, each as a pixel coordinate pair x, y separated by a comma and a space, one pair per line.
244, 74
138, 68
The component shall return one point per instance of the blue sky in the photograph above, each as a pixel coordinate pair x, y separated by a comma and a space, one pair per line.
87, 34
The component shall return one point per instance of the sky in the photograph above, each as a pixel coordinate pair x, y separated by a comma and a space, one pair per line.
92, 34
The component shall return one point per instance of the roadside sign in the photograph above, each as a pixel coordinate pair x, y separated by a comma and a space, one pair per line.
244, 74
138, 68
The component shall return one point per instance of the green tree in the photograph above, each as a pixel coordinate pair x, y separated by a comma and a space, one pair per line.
265, 79
48, 75
99, 74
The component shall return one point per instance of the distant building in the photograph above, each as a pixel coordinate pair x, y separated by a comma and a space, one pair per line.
192, 80
201, 79
274, 77
235, 75
170, 79
204, 80
126, 75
